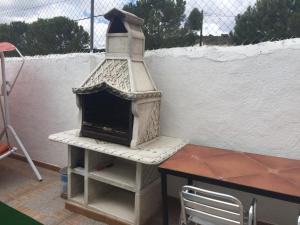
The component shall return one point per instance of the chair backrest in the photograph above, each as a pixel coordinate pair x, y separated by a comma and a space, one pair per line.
213, 207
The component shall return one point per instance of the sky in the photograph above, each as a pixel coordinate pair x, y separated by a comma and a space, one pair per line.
219, 15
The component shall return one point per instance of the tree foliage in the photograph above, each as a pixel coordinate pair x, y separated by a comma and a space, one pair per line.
195, 23
164, 21
267, 20
195, 20
294, 24
45, 36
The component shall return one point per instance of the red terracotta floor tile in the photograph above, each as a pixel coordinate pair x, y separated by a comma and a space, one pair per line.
199, 168
275, 163
268, 173
234, 165
292, 175
268, 181
192, 154
203, 152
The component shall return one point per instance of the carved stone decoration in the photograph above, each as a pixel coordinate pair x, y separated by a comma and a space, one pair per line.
149, 129
113, 72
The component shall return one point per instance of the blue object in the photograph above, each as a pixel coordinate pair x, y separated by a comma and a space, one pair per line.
64, 182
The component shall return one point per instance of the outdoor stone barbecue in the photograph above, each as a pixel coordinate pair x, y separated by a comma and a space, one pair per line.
113, 158
119, 101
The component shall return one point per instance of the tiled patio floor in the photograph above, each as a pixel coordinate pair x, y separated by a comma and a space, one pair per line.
41, 200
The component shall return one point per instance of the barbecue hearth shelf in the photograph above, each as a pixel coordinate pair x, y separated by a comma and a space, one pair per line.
118, 183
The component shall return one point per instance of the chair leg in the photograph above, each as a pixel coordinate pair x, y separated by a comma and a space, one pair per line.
180, 220
23, 149
252, 213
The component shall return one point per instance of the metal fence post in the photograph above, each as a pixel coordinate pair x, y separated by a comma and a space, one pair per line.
92, 26
201, 31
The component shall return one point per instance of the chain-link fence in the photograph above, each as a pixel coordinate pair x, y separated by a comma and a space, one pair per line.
40, 27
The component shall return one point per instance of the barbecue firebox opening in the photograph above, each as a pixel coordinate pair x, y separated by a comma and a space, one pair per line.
107, 117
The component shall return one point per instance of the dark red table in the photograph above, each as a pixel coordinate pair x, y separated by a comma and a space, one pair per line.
269, 176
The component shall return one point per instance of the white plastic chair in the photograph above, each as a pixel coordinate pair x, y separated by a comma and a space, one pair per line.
206, 207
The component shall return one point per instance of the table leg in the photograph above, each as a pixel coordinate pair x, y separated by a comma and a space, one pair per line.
190, 181
164, 192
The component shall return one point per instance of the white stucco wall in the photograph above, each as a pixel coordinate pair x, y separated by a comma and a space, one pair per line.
42, 102
242, 98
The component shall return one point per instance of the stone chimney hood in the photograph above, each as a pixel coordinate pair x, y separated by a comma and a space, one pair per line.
124, 75
123, 70
124, 16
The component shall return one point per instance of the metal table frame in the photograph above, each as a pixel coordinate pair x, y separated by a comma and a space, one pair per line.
191, 177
